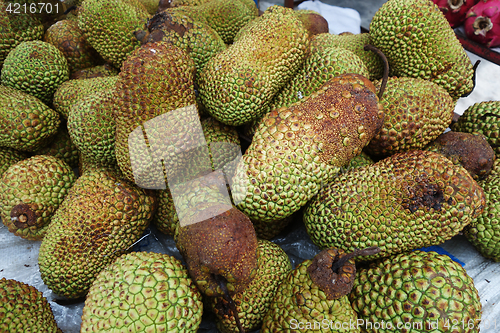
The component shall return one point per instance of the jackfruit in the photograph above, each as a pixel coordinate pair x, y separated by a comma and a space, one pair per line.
24, 309
27, 123
313, 21
418, 42
416, 292
406, 201
294, 151
416, 112
100, 219
92, 72
35, 67
143, 292
10, 156
237, 85
61, 147
30, 193
110, 26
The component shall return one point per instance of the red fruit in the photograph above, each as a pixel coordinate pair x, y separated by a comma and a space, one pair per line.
482, 23
455, 10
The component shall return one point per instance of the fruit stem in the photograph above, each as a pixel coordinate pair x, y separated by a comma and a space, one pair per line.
474, 68
222, 284
369, 47
365, 252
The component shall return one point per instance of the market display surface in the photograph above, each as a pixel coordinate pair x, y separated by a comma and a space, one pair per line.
200, 166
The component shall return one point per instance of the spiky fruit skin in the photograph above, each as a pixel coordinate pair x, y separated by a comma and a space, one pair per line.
17, 28
416, 111
69, 39
354, 43
100, 219
37, 68
481, 117
361, 160
10, 156
24, 309
238, 84
30, 193
295, 151
61, 147
270, 229
299, 303
27, 123
471, 150
406, 201
70, 92
253, 303
482, 23
143, 292
421, 288
91, 127
109, 26
401, 28
484, 231
93, 72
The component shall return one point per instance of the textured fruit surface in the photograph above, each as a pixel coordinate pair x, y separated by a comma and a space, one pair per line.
237, 85
484, 118
253, 303
27, 124
313, 21
143, 292
426, 289
109, 26
30, 193
92, 72
416, 112
406, 201
100, 219
10, 156
484, 232
295, 151
299, 303
358, 161
354, 43
455, 10
61, 147
471, 150
418, 42
37, 68
24, 309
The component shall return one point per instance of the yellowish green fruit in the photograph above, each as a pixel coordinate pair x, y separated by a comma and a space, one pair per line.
62, 147
8, 157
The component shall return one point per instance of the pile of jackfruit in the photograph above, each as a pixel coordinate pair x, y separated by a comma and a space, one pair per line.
220, 125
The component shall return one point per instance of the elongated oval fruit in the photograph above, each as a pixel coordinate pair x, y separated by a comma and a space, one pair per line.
404, 202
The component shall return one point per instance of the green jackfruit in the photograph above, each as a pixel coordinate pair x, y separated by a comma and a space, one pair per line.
482, 117
358, 161
354, 43
8, 157
37, 68
61, 147
406, 201
295, 151
484, 231
416, 292
253, 303
143, 292
30, 193
24, 309
418, 42
416, 112
237, 85
92, 72
100, 219
27, 124
110, 26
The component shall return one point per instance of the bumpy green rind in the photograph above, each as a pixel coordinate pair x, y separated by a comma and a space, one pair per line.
416, 288
30, 193
418, 42
109, 26
354, 43
482, 117
416, 111
37, 68
484, 231
93, 72
237, 85
406, 201
143, 292
100, 219
253, 303
299, 303
358, 161
27, 123
8, 157
295, 151
61, 147
70, 92
24, 309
